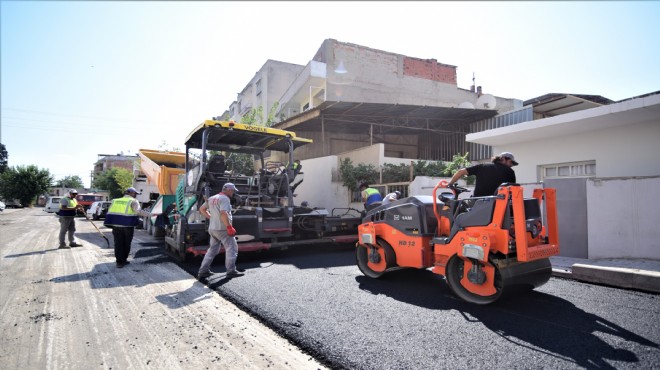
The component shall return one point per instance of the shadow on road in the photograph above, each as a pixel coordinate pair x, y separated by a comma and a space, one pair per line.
107, 275
535, 320
301, 257
183, 298
30, 253
91, 238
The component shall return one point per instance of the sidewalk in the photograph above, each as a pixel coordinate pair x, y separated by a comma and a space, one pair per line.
640, 274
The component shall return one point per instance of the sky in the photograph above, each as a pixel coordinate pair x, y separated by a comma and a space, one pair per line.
83, 78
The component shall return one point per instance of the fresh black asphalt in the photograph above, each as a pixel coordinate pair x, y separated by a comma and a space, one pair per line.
409, 319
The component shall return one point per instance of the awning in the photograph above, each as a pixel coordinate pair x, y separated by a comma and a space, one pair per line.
554, 104
393, 119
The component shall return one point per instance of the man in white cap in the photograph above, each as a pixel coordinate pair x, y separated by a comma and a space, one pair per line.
391, 197
67, 214
122, 217
217, 209
489, 175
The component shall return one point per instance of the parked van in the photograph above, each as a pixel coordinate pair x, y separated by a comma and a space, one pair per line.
52, 204
98, 209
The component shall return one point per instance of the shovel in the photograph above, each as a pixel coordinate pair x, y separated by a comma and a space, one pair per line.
96, 227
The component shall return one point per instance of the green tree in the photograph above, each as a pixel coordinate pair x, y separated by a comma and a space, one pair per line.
395, 173
401, 172
352, 175
255, 116
243, 162
458, 162
431, 169
70, 182
115, 180
3, 158
24, 183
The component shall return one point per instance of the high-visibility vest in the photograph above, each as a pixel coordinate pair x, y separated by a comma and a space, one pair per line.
372, 196
73, 203
121, 214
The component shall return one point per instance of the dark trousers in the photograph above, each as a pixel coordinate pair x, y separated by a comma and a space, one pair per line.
123, 237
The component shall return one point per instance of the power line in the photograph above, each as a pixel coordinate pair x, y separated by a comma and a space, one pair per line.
80, 116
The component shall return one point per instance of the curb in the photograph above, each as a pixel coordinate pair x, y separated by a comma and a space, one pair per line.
563, 273
648, 281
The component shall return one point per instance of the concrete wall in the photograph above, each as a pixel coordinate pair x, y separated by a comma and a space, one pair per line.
274, 77
372, 154
377, 76
623, 217
318, 187
629, 150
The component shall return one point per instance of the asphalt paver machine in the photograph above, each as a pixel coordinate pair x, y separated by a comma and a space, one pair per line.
483, 246
263, 210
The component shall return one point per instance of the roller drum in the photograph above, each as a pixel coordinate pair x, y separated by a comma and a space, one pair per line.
530, 275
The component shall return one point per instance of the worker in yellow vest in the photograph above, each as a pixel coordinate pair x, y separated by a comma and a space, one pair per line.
370, 196
122, 217
67, 214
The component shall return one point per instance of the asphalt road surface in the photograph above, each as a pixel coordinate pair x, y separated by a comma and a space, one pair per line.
409, 319
317, 298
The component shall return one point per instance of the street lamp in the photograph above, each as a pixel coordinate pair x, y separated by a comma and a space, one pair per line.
340, 68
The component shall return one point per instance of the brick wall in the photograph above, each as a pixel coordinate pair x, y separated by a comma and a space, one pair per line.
128, 165
429, 69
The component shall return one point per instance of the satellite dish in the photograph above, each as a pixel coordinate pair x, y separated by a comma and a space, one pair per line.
486, 101
466, 105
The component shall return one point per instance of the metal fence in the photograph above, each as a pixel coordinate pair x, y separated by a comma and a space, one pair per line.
479, 151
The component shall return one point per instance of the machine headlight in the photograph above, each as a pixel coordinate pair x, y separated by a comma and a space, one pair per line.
367, 239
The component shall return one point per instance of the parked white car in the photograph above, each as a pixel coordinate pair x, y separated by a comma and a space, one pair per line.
2, 206
98, 209
52, 204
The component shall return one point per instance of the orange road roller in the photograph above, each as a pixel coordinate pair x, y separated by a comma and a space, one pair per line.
483, 246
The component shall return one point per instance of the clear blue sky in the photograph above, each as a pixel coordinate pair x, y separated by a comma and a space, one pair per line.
86, 78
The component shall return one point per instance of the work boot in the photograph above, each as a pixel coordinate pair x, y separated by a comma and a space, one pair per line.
204, 275
74, 244
233, 274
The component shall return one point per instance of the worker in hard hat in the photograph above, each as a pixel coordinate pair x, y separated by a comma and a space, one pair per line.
67, 214
122, 217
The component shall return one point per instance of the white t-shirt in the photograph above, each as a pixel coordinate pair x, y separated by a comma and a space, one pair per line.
389, 198
216, 204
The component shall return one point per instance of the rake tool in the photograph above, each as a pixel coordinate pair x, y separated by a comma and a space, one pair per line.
96, 227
